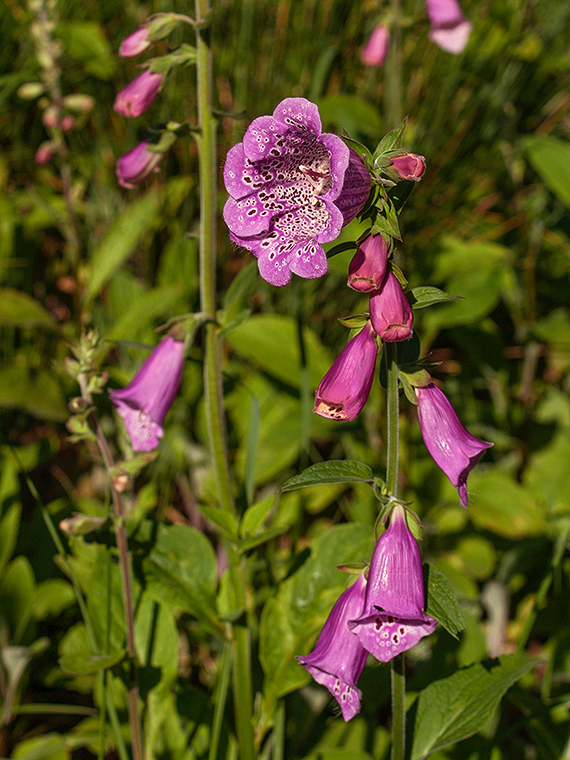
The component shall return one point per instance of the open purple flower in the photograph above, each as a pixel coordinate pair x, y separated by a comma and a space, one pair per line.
292, 188
450, 445
390, 311
345, 388
367, 269
392, 620
450, 29
338, 657
136, 165
138, 96
143, 404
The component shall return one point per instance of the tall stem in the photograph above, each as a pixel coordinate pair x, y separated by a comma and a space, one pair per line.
393, 439
206, 138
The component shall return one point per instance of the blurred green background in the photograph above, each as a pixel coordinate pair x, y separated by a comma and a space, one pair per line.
489, 221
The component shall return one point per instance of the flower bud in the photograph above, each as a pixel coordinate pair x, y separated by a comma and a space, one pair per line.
345, 388
390, 311
138, 95
450, 29
367, 270
136, 165
79, 102
45, 153
375, 50
135, 44
67, 123
409, 166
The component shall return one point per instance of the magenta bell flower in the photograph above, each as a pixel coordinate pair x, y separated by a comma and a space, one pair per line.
338, 657
392, 620
136, 165
367, 270
450, 29
135, 44
451, 446
292, 188
345, 388
138, 95
375, 50
390, 311
143, 404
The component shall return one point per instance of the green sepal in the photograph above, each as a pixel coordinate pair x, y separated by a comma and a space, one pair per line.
352, 568
359, 148
390, 141
355, 321
164, 143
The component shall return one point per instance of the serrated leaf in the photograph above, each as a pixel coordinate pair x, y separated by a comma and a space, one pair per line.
224, 521
458, 706
425, 295
347, 471
442, 602
391, 140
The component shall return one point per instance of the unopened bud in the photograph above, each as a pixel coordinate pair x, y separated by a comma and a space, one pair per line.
30, 90
45, 153
79, 102
121, 482
77, 405
80, 524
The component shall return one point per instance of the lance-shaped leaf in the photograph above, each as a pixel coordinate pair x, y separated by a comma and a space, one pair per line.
348, 471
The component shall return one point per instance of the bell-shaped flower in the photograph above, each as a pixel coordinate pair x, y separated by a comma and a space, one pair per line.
338, 657
292, 188
143, 404
367, 269
136, 165
345, 388
408, 166
135, 44
390, 311
392, 620
450, 29
138, 95
375, 51
451, 446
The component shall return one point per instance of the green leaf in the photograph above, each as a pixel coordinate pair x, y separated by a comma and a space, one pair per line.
238, 295
442, 602
9, 526
392, 140
386, 220
224, 521
351, 113
550, 157
86, 42
37, 393
454, 708
21, 310
355, 321
84, 662
245, 544
255, 516
121, 240
341, 471
17, 587
426, 295
519, 515
252, 446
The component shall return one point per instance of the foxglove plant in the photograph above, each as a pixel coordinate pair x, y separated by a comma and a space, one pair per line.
449, 29
390, 311
368, 266
376, 48
143, 404
292, 188
138, 96
138, 164
338, 657
451, 446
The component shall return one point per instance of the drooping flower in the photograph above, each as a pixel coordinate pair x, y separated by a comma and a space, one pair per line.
390, 311
292, 188
45, 152
345, 388
408, 166
451, 446
392, 620
338, 657
143, 404
135, 44
136, 97
376, 48
450, 29
367, 269
136, 165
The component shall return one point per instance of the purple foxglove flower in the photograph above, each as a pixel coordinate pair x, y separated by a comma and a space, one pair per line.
450, 29
451, 446
392, 620
136, 165
367, 270
143, 404
345, 388
135, 44
409, 166
390, 311
45, 152
291, 188
375, 50
138, 95
338, 657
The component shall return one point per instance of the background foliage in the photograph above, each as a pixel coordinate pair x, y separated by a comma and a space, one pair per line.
490, 221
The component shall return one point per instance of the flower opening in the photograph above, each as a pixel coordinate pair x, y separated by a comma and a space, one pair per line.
136, 165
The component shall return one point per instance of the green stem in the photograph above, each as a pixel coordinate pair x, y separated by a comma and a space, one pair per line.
397, 664
220, 702
206, 140
398, 707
